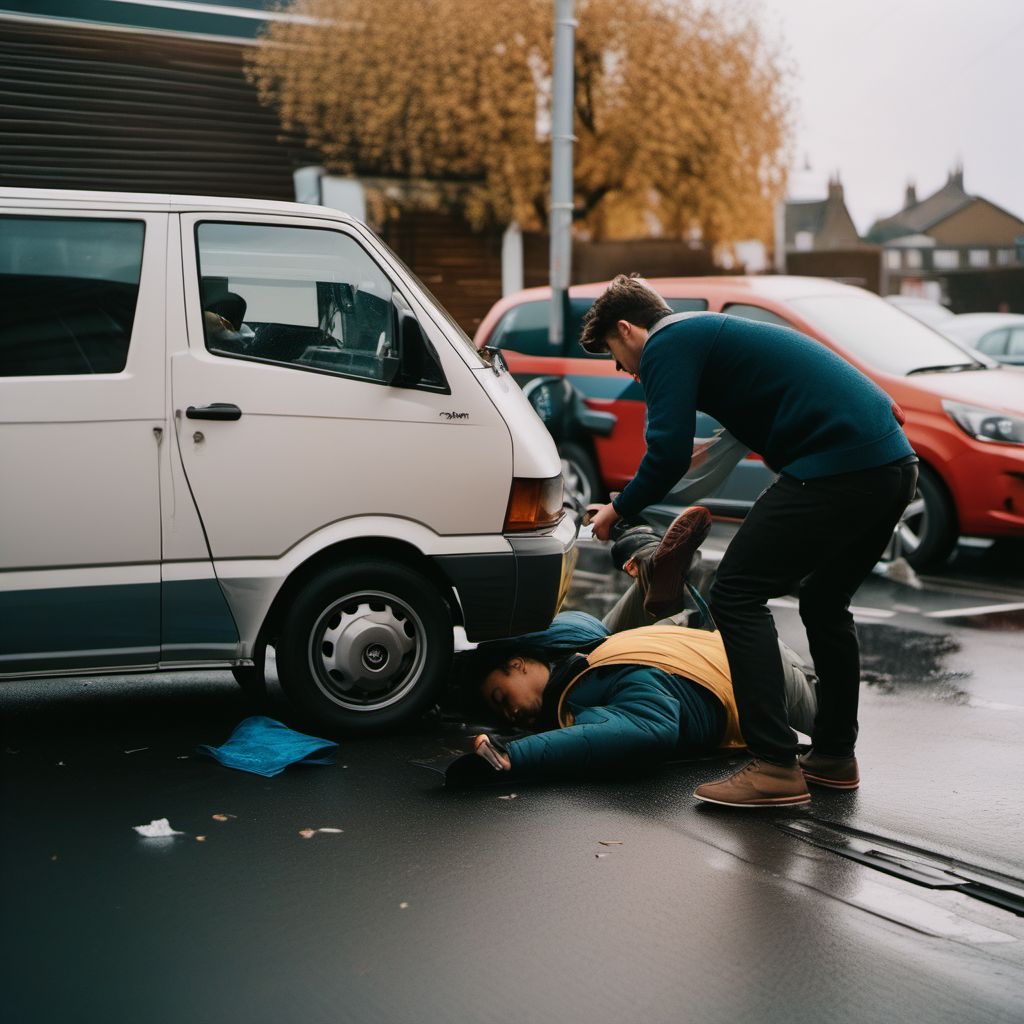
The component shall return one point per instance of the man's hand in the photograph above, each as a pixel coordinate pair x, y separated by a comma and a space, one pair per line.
603, 519
493, 753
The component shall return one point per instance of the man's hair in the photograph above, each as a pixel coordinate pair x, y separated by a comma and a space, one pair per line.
628, 298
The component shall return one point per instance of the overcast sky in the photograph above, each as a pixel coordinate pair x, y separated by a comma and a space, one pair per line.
894, 89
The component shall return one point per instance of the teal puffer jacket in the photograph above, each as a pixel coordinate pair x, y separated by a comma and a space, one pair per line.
626, 718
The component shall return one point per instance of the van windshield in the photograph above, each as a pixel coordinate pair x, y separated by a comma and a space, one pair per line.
881, 335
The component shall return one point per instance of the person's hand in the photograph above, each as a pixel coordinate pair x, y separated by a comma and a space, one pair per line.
603, 520
492, 752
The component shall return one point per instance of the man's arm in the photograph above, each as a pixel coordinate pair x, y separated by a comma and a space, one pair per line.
669, 376
638, 729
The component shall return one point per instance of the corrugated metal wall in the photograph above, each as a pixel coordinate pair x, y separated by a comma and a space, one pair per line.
91, 108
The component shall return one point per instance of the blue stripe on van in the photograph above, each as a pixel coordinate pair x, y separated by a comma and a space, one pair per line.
80, 618
196, 612
110, 618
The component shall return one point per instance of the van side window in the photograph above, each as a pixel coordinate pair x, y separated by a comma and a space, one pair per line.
68, 291
307, 297
759, 313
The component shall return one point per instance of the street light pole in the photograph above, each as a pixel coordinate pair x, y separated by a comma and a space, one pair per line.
562, 138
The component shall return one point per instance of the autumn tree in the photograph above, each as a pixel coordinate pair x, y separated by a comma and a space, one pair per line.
681, 109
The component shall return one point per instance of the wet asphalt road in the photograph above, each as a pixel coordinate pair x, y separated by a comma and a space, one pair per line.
449, 907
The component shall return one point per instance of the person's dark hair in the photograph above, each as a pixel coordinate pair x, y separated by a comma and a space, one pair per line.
626, 298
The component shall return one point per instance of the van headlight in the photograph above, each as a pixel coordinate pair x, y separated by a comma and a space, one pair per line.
986, 424
534, 504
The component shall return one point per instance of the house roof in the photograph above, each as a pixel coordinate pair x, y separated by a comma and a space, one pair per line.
920, 217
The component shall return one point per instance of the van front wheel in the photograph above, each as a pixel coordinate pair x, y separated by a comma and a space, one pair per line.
365, 646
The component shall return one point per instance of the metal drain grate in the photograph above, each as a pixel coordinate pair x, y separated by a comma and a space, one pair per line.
922, 867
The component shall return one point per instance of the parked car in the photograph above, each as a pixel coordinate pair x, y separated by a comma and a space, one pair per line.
999, 336
965, 419
226, 424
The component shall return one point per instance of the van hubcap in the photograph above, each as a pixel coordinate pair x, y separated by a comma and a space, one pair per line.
367, 651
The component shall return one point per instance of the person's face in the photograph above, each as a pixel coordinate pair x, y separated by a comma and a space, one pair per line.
626, 344
517, 691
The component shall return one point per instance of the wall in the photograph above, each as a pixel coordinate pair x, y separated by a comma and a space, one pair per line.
862, 267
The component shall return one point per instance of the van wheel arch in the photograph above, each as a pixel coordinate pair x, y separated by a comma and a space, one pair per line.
363, 548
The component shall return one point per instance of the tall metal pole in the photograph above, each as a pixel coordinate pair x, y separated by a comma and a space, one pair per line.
562, 138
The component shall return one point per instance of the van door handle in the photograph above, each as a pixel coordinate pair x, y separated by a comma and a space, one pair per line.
215, 411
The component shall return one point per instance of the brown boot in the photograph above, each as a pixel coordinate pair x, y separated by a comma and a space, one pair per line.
759, 784
833, 772
664, 593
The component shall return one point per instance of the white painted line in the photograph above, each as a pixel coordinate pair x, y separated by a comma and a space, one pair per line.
984, 609
864, 613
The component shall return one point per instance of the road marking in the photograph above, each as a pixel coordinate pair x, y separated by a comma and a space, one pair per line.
984, 609
866, 613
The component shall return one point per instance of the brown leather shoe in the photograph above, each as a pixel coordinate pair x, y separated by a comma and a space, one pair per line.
759, 784
672, 560
833, 772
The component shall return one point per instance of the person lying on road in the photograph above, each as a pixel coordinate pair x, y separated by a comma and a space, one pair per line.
605, 703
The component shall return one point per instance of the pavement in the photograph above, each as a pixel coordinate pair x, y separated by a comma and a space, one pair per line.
590, 903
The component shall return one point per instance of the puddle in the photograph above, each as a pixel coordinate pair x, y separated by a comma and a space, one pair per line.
896, 660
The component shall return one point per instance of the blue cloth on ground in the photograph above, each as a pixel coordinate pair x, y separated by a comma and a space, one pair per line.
266, 747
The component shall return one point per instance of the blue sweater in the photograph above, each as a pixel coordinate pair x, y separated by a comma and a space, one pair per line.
806, 411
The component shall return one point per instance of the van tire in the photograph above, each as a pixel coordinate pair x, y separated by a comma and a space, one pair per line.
365, 647
580, 474
931, 518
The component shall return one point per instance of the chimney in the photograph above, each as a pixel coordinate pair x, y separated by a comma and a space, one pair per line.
956, 176
910, 198
835, 187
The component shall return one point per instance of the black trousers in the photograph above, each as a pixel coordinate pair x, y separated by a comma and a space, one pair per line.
824, 536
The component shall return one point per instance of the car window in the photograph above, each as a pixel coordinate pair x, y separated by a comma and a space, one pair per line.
306, 297
759, 313
68, 292
993, 343
524, 328
1016, 346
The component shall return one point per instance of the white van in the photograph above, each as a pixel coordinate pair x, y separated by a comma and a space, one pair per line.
226, 424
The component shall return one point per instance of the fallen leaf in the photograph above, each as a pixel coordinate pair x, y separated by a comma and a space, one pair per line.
223, 817
610, 842
307, 833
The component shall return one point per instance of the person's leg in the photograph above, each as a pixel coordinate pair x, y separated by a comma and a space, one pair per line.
766, 559
825, 598
793, 529
801, 685
628, 612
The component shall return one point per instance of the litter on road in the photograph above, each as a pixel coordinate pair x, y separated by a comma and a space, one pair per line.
136, 750
158, 828
266, 747
223, 817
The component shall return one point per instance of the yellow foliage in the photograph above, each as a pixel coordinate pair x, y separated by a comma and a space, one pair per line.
681, 109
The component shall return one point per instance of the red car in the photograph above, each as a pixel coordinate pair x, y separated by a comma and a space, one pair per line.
965, 418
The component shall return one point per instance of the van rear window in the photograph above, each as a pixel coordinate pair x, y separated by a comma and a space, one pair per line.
68, 292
